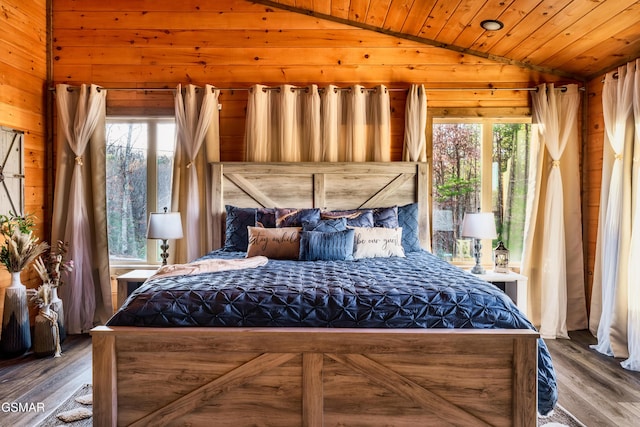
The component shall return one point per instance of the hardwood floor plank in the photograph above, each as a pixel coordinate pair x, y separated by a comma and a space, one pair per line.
632, 407
46, 382
594, 387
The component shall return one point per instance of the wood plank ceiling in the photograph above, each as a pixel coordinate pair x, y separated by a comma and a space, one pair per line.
580, 39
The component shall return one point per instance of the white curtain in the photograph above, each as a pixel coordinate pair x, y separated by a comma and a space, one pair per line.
415, 125
79, 212
197, 120
311, 127
289, 127
615, 302
553, 261
294, 124
357, 147
256, 136
633, 332
330, 107
380, 114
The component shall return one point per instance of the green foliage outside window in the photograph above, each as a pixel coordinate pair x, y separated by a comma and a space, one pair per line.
457, 179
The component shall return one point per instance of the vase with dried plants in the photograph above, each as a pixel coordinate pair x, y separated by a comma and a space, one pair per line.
46, 331
51, 267
19, 249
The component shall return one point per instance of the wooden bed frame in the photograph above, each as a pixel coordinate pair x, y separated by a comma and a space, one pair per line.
310, 376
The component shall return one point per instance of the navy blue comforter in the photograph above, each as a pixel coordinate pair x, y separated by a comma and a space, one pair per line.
419, 291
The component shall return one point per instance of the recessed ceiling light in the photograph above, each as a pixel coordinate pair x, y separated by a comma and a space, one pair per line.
492, 25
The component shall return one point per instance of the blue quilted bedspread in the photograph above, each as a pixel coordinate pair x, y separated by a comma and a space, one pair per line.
419, 291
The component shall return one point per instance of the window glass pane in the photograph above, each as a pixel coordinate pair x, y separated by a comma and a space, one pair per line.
127, 189
456, 185
165, 150
509, 183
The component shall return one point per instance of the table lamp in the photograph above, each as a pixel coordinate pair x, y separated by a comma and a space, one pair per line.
479, 226
164, 226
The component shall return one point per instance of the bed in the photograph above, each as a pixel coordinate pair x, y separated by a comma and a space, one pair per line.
328, 342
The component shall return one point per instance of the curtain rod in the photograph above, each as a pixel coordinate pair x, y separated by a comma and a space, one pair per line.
435, 89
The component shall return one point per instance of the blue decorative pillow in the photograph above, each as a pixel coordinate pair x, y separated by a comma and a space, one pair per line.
355, 217
408, 220
386, 217
318, 246
326, 225
266, 217
236, 234
292, 217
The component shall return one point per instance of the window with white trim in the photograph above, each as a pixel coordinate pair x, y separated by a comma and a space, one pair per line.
139, 157
479, 164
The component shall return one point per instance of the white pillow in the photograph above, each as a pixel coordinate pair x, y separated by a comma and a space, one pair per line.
377, 242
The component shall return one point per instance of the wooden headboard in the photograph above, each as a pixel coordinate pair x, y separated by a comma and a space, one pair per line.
328, 186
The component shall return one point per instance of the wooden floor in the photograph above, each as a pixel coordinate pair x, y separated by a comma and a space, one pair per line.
45, 382
592, 387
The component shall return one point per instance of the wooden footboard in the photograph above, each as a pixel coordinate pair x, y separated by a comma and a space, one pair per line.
313, 377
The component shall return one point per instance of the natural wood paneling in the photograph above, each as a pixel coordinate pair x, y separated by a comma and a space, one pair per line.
156, 45
234, 44
592, 176
23, 64
224, 75
577, 38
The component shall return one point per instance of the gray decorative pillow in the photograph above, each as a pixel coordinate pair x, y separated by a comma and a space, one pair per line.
236, 235
326, 225
293, 217
319, 246
408, 221
266, 217
386, 217
355, 217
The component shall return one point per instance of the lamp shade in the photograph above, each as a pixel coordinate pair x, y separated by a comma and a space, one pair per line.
164, 225
481, 225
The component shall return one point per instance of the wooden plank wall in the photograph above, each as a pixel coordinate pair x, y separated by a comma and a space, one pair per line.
236, 43
592, 176
23, 75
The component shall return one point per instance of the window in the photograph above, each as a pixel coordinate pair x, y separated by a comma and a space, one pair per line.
479, 164
139, 175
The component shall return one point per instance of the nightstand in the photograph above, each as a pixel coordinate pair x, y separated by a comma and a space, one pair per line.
513, 284
130, 281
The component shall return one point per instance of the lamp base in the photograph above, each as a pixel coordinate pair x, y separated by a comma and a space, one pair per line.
477, 269
165, 254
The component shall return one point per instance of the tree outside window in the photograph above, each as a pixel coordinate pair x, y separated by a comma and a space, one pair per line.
456, 184
139, 156
459, 177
